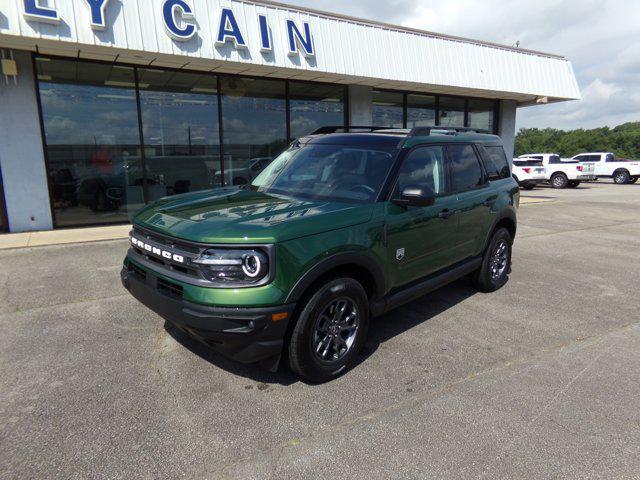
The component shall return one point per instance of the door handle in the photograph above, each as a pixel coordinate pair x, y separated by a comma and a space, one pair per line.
446, 213
490, 201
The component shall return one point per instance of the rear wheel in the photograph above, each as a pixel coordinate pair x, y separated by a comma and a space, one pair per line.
330, 331
621, 177
528, 186
494, 271
559, 180
633, 180
573, 183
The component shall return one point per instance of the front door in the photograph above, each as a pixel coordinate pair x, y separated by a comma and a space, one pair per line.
421, 240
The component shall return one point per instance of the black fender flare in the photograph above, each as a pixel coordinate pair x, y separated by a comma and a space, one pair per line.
506, 214
336, 261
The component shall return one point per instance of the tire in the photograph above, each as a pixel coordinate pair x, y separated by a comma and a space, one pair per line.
494, 272
633, 180
559, 180
573, 184
621, 177
324, 342
527, 186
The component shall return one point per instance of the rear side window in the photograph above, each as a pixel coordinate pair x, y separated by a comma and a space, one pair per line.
466, 173
497, 165
555, 159
610, 158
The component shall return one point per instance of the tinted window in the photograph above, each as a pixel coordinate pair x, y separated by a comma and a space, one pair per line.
465, 168
554, 159
90, 121
388, 109
610, 158
254, 123
424, 167
180, 131
497, 165
314, 105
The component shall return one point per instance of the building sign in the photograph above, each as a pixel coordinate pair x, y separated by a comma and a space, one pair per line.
180, 24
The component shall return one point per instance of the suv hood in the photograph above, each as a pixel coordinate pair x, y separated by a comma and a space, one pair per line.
232, 215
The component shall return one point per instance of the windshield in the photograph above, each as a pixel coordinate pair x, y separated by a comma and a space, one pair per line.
332, 172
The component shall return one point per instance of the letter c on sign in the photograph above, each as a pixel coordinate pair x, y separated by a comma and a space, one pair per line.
170, 9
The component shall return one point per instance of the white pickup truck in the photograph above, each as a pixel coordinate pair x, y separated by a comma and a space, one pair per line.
607, 165
563, 173
528, 172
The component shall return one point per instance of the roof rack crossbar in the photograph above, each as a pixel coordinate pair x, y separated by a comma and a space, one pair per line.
426, 131
336, 128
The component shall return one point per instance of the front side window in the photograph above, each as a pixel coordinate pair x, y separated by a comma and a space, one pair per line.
424, 167
465, 169
329, 172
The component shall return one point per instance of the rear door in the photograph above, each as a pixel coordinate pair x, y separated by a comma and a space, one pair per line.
421, 240
474, 199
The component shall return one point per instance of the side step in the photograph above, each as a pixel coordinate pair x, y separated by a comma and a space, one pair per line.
425, 286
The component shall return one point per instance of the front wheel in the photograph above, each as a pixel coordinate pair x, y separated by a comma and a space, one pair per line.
330, 331
494, 271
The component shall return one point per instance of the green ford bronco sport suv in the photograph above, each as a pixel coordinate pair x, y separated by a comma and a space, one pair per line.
339, 228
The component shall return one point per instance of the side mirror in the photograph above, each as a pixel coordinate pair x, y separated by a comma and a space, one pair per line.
415, 196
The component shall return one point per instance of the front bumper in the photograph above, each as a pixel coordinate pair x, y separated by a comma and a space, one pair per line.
247, 335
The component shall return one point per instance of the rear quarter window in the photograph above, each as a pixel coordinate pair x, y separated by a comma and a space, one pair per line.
496, 163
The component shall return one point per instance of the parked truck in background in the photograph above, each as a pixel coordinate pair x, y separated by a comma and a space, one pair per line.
606, 165
563, 173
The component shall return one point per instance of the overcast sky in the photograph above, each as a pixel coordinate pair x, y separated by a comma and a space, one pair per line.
600, 37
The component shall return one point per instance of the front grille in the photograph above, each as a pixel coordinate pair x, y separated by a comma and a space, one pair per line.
169, 289
176, 246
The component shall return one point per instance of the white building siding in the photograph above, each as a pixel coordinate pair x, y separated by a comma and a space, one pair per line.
346, 50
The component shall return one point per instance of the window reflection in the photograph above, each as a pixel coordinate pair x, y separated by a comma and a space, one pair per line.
93, 147
451, 112
180, 131
481, 114
254, 126
388, 109
313, 106
421, 111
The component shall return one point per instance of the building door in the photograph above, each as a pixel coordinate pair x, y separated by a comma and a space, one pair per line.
4, 224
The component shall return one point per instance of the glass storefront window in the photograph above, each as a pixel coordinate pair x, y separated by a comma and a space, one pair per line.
451, 112
388, 109
314, 105
93, 147
254, 124
481, 113
180, 131
421, 110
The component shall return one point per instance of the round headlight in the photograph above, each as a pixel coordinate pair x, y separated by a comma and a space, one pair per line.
251, 265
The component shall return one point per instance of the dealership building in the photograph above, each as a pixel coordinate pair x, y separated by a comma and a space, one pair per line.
106, 105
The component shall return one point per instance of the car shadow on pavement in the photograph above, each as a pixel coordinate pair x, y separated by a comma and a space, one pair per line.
419, 311
381, 330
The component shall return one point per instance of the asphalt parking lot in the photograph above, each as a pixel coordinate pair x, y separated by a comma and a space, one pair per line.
539, 380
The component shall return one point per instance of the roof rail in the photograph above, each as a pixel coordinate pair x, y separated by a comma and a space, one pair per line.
335, 128
426, 131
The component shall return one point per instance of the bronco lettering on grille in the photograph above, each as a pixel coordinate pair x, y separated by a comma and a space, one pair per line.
157, 251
